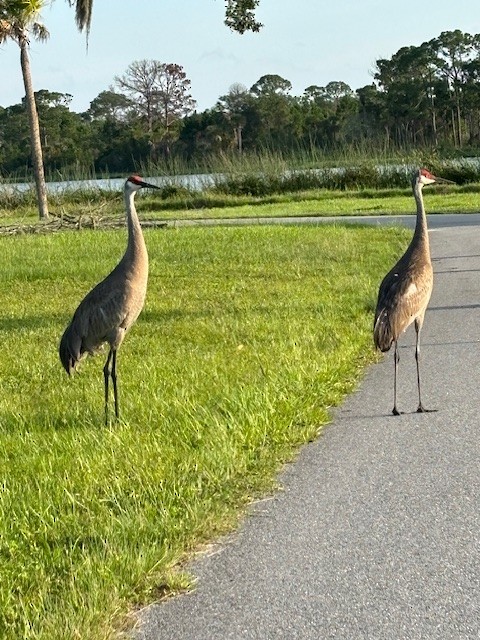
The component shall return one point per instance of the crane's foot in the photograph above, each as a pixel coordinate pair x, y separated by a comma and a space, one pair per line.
421, 409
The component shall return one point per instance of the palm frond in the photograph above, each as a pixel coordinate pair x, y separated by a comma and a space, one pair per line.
40, 32
18, 17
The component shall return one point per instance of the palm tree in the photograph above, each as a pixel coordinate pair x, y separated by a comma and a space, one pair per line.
19, 18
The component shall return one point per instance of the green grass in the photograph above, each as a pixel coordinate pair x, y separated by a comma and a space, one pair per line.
328, 203
248, 338
101, 206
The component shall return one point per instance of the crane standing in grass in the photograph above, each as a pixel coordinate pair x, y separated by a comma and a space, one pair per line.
109, 309
405, 291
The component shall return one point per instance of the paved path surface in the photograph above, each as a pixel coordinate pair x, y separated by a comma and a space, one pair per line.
377, 531
435, 220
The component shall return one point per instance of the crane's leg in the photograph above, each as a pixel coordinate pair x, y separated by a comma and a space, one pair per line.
106, 375
396, 360
114, 380
418, 327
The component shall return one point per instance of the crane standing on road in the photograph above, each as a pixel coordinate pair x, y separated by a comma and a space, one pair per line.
405, 291
109, 309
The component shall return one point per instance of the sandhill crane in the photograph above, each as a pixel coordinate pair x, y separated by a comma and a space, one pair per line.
109, 309
405, 291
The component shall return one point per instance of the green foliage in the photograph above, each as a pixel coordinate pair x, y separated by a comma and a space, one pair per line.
462, 173
248, 337
424, 99
175, 191
349, 178
348, 191
240, 15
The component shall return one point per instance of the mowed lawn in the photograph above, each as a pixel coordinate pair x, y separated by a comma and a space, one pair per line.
98, 207
249, 336
333, 203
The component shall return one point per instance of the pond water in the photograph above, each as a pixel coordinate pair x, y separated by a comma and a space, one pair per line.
196, 182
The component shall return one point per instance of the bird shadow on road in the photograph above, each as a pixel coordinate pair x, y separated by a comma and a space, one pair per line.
344, 414
454, 271
426, 343
372, 416
437, 258
453, 307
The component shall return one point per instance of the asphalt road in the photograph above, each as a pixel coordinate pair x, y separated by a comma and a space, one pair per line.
376, 533
435, 220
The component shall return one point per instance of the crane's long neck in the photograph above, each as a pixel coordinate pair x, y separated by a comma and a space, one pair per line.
420, 237
136, 251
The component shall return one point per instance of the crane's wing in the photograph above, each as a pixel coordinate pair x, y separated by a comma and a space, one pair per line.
104, 315
99, 314
402, 297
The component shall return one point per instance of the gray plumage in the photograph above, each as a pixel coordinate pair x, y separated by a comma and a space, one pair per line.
112, 306
405, 291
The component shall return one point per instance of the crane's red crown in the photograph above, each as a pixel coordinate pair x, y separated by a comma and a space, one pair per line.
135, 179
426, 173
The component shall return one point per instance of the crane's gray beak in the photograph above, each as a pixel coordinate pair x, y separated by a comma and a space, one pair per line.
150, 186
443, 181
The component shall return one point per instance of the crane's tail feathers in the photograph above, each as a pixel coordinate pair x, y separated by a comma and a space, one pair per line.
70, 349
382, 332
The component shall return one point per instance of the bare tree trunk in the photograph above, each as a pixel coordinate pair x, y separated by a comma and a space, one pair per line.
387, 138
434, 120
459, 123
37, 156
454, 128
239, 138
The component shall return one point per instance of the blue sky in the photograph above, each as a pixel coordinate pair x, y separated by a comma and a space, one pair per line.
305, 41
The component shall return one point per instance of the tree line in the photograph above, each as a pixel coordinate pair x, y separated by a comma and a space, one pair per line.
427, 95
